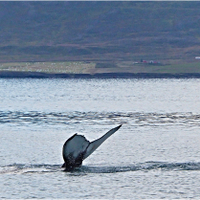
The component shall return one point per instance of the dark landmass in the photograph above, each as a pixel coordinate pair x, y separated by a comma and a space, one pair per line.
98, 31
38, 75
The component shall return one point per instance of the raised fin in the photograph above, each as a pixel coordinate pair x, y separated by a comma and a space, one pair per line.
96, 143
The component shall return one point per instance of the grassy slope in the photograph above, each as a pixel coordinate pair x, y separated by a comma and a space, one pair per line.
90, 68
94, 32
99, 31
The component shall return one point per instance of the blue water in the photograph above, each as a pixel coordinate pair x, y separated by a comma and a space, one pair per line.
155, 154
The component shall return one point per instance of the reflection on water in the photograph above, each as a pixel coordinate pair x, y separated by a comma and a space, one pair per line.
98, 95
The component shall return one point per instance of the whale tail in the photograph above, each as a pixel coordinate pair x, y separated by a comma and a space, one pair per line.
96, 143
77, 148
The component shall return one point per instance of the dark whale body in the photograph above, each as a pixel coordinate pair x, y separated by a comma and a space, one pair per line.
77, 148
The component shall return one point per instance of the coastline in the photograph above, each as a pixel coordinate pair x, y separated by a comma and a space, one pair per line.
41, 75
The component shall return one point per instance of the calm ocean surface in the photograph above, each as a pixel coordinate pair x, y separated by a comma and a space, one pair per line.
155, 154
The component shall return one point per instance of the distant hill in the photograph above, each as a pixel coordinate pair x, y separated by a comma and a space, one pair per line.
98, 30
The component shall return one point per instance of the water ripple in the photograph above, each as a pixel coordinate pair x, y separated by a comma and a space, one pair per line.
147, 166
28, 168
133, 118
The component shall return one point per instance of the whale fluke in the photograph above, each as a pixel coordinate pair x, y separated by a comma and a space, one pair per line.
77, 148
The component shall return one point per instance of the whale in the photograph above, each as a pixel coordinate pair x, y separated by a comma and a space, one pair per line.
77, 148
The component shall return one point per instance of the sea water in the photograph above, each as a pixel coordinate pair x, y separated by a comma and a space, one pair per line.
155, 154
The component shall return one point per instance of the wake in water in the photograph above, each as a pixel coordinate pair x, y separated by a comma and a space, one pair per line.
25, 168
143, 166
147, 166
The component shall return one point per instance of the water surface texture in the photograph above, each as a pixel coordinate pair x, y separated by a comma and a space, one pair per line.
155, 154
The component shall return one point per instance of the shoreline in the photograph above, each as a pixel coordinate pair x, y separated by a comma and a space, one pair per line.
41, 75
